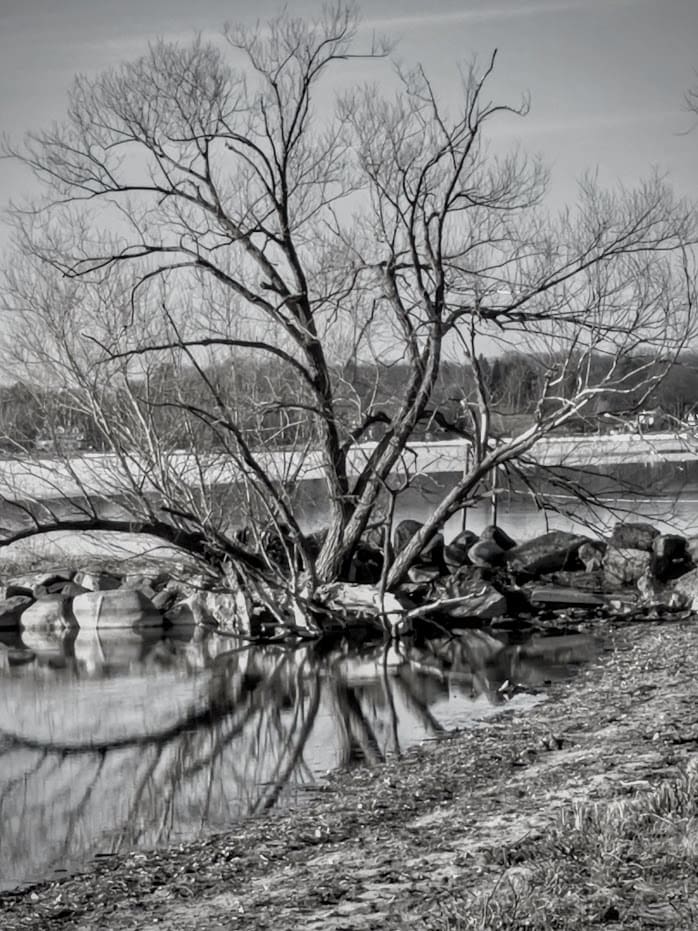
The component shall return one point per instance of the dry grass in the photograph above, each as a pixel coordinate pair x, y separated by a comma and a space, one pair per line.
630, 864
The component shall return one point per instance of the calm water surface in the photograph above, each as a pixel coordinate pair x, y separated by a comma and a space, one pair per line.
110, 742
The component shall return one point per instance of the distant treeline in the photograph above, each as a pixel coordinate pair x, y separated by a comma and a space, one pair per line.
271, 406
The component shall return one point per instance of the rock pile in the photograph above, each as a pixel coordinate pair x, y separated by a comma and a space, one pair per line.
469, 581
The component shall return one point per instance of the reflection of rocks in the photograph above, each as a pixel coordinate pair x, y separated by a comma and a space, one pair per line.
50, 647
105, 652
153, 755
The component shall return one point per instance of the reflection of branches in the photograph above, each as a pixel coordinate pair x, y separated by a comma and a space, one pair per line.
415, 702
81, 806
388, 690
294, 753
361, 744
240, 753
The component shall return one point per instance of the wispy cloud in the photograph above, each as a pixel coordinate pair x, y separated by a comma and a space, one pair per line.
482, 14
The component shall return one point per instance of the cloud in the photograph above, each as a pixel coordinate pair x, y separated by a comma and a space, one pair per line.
483, 14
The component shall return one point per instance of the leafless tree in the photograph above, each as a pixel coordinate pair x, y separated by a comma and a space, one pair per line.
206, 212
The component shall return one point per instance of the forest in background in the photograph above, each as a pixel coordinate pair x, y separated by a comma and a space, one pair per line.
263, 397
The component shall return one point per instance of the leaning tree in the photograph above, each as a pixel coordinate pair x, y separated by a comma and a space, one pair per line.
227, 231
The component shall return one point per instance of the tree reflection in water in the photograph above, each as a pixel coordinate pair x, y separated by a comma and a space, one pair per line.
111, 741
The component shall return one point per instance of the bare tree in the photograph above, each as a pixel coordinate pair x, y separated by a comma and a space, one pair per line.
206, 213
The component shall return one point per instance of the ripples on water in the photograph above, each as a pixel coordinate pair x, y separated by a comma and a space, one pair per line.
111, 742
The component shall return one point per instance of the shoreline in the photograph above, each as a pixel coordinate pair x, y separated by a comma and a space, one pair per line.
433, 836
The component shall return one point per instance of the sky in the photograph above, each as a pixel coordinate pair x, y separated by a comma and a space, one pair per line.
606, 78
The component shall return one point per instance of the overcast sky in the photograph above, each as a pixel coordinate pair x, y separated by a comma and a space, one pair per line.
606, 77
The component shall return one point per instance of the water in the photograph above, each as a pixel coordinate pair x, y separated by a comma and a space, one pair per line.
111, 742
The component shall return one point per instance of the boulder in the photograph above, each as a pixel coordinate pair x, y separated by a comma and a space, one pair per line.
432, 555
38, 583
165, 599
687, 587
70, 590
670, 558
97, 581
549, 552
404, 532
486, 554
11, 610
467, 593
633, 536
590, 554
366, 564
560, 596
114, 608
51, 612
692, 549
232, 611
456, 552
350, 606
495, 534
157, 581
625, 565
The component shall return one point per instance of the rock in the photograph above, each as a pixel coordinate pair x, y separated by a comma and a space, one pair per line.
97, 581
366, 564
550, 552
591, 555
315, 541
11, 610
486, 554
358, 605
497, 535
687, 587
232, 611
625, 565
420, 573
404, 532
70, 590
567, 597
456, 552
114, 608
432, 555
165, 599
157, 581
692, 549
38, 583
633, 536
670, 557
51, 612
468, 594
